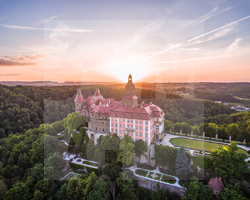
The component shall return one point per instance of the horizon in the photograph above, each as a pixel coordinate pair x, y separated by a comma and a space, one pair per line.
170, 41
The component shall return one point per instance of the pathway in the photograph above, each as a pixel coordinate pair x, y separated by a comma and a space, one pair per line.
69, 174
176, 184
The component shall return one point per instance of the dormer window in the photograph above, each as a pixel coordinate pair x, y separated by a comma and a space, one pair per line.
122, 115
114, 114
139, 117
130, 116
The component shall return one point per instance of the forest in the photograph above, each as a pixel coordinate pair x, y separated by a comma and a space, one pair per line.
23, 108
30, 151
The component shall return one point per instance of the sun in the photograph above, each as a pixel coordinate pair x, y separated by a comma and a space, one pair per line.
120, 69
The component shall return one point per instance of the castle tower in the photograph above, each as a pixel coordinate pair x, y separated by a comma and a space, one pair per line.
79, 101
130, 99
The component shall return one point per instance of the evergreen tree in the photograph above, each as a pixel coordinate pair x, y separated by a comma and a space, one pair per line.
181, 163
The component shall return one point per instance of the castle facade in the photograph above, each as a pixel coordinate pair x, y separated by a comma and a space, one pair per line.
140, 121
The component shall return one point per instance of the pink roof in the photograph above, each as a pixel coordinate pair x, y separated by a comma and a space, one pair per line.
79, 97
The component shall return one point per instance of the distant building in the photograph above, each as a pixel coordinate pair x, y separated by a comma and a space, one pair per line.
140, 121
216, 185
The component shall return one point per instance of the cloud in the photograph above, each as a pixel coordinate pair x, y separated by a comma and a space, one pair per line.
230, 24
216, 35
6, 60
47, 29
47, 20
233, 46
10, 74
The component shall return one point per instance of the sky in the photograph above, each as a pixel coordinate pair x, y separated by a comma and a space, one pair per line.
155, 41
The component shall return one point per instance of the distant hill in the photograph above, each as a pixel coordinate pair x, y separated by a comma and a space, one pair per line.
51, 83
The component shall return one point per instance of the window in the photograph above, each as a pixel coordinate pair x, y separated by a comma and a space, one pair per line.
136, 127
114, 114
140, 122
128, 126
157, 128
140, 134
115, 130
123, 132
130, 116
146, 141
120, 131
146, 135
136, 134
131, 126
128, 120
136, 139
140, 127
111, 119
139, 116
122, 115
146, 129
124, 120
123, 125
115, 125
111, 130
120, 125
146, 123
136, 121
131, 133
120, 120
112, 124
115, 119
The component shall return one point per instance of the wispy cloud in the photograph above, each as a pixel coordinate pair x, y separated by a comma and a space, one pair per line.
47, 20
233, 46
46, 29
10, 74
217, 29
6, 60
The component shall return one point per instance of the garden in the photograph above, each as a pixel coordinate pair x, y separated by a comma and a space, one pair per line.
141, 172
168, 179
89, 163
200, 145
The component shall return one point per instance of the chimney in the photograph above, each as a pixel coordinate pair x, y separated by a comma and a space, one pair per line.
141, 106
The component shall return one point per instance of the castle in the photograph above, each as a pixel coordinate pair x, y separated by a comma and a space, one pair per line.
140, 121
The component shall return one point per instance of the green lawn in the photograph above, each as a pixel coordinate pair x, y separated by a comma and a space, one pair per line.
89, 163
168, 179
141, 172
200, 145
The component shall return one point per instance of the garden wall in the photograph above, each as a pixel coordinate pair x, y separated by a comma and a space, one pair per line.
152, 185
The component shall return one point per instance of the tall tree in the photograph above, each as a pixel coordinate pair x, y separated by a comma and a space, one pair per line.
181, 163
227, 163
127, 152
140, 148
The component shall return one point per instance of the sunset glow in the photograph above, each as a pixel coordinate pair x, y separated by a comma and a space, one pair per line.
172, 43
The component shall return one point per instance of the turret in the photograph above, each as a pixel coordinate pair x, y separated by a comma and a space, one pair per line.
79, 101
130, 99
